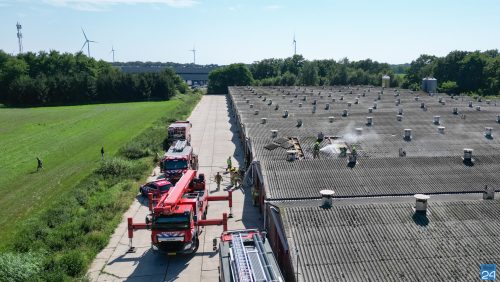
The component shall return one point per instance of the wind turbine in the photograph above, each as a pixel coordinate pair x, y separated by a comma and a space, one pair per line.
113, 51
194, 54
87, 41
294, 45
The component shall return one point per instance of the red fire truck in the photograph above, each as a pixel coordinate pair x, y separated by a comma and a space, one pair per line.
176, 218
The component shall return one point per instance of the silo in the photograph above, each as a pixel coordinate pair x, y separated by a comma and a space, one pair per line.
429, 84
386, 81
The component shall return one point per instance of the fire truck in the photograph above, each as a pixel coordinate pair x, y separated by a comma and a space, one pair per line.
177, 160
245, 255
179, 130
177, 217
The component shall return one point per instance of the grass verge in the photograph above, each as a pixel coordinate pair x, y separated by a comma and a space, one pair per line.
60, 242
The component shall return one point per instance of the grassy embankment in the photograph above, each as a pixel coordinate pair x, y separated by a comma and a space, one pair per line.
54, 222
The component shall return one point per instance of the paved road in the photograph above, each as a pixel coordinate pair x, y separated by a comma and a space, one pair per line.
214, 139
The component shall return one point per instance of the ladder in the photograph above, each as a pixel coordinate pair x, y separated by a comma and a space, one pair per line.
297, 147
241, 262
180, 145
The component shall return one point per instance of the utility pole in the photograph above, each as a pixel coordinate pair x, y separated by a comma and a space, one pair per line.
19, 37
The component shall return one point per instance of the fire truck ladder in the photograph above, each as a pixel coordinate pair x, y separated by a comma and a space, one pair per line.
242, 265
180, 145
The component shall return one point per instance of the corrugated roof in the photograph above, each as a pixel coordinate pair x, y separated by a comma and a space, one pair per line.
386, 242
433, 161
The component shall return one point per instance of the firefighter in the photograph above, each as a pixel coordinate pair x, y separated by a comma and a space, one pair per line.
102, 152
218, 180
316, 150
353, 150
40, 164
237, 179
232, 176
229, 163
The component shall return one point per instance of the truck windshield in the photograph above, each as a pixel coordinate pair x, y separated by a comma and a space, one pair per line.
176, 164
177, 132
171, 222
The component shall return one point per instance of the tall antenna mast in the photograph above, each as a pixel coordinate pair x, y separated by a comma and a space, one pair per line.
194, 54
294, 45
19, 37
113, 51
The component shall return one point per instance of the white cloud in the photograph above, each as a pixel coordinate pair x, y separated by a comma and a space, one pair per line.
99, 5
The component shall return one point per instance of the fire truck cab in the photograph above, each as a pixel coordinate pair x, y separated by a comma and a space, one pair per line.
177, 160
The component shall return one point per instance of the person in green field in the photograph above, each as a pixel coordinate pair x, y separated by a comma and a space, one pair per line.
229, 163
316, 150
39, 164
102, 152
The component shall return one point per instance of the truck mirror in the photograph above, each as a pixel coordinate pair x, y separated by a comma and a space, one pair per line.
215, 244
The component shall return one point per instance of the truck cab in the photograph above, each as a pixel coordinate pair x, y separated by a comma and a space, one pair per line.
178, 159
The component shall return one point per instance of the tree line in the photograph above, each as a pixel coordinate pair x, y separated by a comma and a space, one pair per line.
458, 72
37, 79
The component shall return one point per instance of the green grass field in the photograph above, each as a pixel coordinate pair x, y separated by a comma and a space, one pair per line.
68, 140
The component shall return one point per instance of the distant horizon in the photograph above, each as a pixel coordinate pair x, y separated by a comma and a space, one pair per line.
225, 31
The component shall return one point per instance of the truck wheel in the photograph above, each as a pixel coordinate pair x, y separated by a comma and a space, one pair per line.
196, 244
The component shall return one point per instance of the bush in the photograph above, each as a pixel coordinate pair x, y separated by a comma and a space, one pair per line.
117, 167
72, 263
135, 151
20, 267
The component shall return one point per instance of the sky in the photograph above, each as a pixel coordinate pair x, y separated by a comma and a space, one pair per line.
224, 31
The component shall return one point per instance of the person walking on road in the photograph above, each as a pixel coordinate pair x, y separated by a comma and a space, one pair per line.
102, 152
229, 163
39, 164
218, 180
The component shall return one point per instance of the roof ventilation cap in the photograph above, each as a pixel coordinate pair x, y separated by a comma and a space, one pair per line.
285, 113
455, 111
291, 155
374, 105
399, 117
435, 119
369, 121
326, 198
468, 156
489, 193
487, 132
274, 133
251, 106
416, 98
407, 135
331, 119
299, 123
263, 120
421, 203
470, 104
256, 112
327, 106
314, 109
345, 113
370, 110
441, 129
478, 108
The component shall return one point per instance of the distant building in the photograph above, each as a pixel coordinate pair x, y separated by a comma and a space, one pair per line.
193, 75
429, 85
